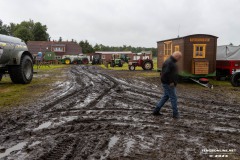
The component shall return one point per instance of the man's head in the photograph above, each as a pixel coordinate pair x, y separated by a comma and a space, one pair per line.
177, 55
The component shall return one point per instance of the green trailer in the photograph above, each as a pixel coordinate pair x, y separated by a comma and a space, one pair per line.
49, 56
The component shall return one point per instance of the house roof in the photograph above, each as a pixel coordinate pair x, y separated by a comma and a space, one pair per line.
227, 52
146, 52
187, 36
113, 52
71, 48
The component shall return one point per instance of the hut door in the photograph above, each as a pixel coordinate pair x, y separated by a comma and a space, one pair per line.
167, 49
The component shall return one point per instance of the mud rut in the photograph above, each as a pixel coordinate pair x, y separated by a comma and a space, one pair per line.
97, 116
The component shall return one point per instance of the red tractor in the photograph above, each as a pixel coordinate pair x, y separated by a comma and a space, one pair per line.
145, 63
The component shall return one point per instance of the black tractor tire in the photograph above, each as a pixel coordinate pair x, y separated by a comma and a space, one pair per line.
131, 68
112, 64
235, 80
120, 65
23, 73
1, 75
85, 61
147, 65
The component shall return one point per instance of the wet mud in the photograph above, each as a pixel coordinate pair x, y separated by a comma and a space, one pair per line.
99, 114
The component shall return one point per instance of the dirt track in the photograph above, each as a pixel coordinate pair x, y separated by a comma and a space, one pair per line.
98, 114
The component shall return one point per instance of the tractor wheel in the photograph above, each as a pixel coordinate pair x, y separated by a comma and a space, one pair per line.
22, 73
112, 64
75, 62
235, 80
147, 65
131, 68
120, 64
67, 61
85, 61
1, 75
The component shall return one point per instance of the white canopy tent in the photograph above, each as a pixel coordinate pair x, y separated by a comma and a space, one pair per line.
228, 52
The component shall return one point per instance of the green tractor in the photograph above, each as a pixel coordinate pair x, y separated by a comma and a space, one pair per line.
116, 61
124, 58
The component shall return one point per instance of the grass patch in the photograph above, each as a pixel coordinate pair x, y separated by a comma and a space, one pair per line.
220, 83
21, 94
50, 67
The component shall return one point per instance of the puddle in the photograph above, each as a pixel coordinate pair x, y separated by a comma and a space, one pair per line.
225, 129
128, 146
141, 137
143, 146
44, 125
34, 143
111, 143
87, 100
17, 147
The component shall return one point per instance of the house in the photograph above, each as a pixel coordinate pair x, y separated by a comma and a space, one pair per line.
199, 54
108, 55
59, 48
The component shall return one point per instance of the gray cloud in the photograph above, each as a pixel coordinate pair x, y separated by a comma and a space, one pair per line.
131, 22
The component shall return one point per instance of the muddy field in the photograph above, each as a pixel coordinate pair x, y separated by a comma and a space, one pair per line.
103, 114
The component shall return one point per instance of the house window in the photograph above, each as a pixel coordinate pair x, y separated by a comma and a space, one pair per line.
58, 49
168, 48
199, 50
103, 56
176, 48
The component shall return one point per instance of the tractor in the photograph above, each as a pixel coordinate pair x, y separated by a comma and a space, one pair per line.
146, 64
97, 59
116, 61
74, 59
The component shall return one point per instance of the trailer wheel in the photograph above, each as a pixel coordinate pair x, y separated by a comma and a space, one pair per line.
235, 80
22, 73
67, 61
147, 65
131, 68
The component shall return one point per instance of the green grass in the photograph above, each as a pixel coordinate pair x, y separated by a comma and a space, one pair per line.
50, 67
220, 83
125, 66
17, 94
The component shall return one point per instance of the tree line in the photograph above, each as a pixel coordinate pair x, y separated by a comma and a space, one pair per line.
88, 48
26, 30
36, 31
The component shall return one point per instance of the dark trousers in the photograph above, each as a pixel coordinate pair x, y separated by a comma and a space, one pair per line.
169, 93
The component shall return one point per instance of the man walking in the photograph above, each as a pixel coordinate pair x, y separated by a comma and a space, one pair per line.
169, 77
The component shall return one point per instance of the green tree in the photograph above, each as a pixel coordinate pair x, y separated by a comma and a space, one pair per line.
40, 32
23, 33
86, 47
4, 29
26, 30
96, 47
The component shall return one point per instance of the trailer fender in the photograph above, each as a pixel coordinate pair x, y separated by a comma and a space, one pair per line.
16, 57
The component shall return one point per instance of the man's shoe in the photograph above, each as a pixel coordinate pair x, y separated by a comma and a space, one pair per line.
157, 114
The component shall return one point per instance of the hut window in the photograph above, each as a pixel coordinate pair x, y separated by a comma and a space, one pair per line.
199, 50
168, 48
176, 48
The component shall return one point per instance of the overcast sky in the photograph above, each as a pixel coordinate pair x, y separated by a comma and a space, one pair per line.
130, 22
